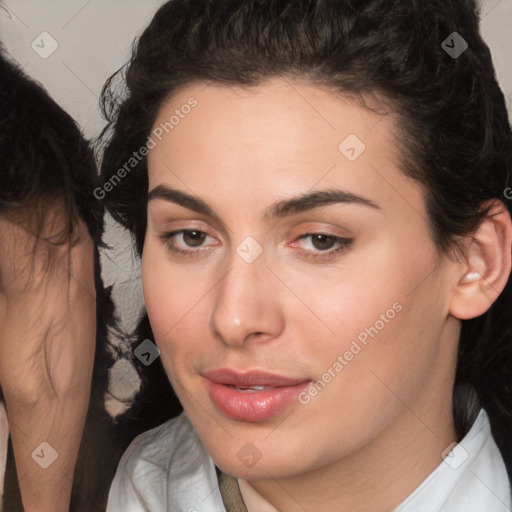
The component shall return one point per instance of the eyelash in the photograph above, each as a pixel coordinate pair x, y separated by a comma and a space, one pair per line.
343, 245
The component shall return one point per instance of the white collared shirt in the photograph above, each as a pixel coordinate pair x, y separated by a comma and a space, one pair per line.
168, 469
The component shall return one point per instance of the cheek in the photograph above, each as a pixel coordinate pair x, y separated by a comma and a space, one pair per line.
376, 323
170, 293
384, 353
176, 302
350, 301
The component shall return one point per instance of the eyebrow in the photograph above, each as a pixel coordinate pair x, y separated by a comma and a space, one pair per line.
280, 209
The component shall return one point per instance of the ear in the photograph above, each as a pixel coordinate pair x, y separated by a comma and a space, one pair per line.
485, 270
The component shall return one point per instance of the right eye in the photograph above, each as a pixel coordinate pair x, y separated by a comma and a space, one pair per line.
189, 238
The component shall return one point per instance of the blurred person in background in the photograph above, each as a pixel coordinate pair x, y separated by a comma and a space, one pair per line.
57, 447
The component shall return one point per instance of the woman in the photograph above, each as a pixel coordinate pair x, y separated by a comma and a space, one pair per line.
54, 311
316, 190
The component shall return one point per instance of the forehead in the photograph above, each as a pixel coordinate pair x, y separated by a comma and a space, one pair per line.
277, 116
267, 139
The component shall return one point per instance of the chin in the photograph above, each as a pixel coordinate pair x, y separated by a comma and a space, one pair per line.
259, 471
249, 463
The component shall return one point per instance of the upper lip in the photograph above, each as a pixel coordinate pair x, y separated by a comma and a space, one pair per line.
238, 378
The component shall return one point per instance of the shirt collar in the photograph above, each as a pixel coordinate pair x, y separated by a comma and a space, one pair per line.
471, 478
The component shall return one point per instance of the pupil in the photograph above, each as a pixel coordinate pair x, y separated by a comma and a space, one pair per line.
193, 238
322, 242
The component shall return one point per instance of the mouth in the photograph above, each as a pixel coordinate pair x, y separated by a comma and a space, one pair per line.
252, 389
251, 396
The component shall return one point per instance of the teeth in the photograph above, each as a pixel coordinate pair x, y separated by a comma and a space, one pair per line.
250, 389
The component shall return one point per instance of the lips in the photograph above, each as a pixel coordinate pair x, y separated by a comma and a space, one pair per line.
251, 396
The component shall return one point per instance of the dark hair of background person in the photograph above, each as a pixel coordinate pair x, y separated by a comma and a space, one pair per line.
454, 134
43, 156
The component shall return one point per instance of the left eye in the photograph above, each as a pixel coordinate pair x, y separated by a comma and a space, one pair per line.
322, 244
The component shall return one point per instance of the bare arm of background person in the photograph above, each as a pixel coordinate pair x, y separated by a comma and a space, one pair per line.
47, 343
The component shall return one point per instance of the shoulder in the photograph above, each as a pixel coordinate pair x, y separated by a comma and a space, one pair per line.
161, 444
172, 447
163, 465
471, 478
479, 470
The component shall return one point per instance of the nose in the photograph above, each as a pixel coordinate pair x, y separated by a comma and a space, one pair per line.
247, 304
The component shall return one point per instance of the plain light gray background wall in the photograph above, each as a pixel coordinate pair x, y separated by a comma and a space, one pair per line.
73, 46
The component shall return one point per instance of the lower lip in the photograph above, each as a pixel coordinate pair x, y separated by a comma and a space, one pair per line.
252, 406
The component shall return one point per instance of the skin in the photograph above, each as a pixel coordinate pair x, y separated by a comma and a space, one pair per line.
376, 431
47, 343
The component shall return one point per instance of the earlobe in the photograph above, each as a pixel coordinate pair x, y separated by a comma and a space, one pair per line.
486, 266
472, 276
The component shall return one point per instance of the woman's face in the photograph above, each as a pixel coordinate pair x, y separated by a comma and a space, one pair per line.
296, 332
